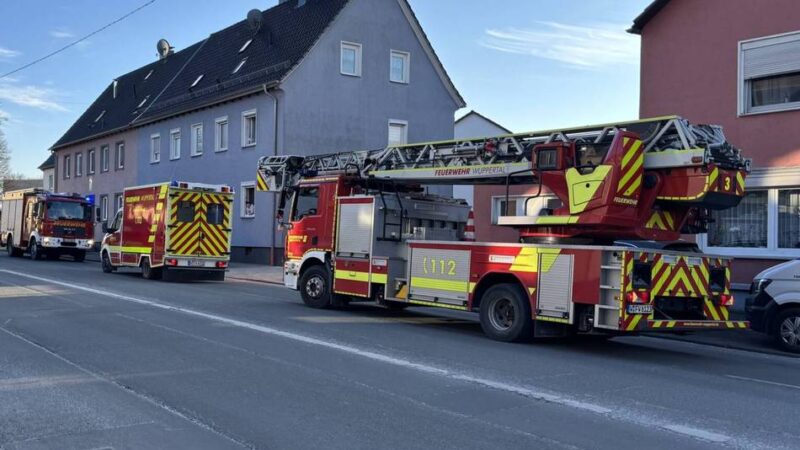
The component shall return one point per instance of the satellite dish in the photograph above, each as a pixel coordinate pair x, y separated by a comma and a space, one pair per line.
254, 20
164, 49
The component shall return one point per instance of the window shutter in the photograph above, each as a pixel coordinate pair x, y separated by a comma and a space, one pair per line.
396, 134
773, 56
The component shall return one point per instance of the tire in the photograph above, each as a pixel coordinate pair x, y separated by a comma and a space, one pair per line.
105, 263
786, 329
148, 272
79, 257
315, 287
12, 252
35, 251
506, 314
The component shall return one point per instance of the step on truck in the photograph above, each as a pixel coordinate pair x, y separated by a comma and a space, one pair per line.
45, 224
599, 249
174, 231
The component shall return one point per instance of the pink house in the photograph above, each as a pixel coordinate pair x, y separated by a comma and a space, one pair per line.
735, 63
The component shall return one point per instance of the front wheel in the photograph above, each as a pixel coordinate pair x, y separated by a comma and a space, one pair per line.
315, 287
787, 330
105, 263
35, 251
506, 314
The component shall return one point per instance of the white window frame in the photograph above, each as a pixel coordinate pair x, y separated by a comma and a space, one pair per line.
119, 163
104, 208
744, 86
175, 149
406, 56
392, 122
91, 166
520, 199
197, 146
220, 146
119, 201
358, 49
246, 115
79, 164
155, 153
105, 158
242, 201
67, 167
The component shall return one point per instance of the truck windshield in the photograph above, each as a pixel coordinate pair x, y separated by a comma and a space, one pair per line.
68, 211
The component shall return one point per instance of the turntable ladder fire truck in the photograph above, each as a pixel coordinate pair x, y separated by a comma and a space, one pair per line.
598, 250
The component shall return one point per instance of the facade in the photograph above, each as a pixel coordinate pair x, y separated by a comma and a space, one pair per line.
309, 77
713, 62
472, 125
48, 169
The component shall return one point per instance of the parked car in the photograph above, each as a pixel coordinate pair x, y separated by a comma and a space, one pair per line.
773, 306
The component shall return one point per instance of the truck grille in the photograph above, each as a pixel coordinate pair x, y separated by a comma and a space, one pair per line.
70, 232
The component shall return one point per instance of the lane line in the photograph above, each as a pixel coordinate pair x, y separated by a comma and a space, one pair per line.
756, 380
526, 391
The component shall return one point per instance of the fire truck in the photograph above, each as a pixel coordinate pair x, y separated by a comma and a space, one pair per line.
173, 231
45, 224
599, 249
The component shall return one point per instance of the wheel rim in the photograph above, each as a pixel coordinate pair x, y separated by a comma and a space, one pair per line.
503, 314
790, 331
34, 250
106, 262
315, 287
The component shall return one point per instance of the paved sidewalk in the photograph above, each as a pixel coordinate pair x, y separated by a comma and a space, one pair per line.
256, 272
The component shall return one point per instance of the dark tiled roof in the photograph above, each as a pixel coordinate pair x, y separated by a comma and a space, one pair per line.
49, 163
287, 34
651, 11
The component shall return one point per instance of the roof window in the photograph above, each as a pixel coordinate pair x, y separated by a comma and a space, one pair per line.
100, 116
144, 101
197, 81
148, 74
240, 65
116, 83
246, 44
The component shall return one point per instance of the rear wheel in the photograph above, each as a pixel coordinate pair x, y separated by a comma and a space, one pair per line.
315, 287
506, 314
787, 330
34, 250
148, 272
12, 252
105, 263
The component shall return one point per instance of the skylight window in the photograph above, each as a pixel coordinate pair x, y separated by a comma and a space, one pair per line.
246, 44
144, 101
239, 67
197, 80
100, 116
148, 74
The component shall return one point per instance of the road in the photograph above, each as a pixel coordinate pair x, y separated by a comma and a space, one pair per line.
89, 360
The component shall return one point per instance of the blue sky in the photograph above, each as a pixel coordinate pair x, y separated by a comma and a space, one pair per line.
526, 64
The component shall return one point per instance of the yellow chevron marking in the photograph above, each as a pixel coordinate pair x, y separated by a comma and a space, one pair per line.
631, 152
634, 322
712, 309
630, 173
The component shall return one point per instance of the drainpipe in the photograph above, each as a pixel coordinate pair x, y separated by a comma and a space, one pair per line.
274, 98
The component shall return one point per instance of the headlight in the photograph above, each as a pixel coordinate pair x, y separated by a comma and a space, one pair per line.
760, 285
46, 240
90, 242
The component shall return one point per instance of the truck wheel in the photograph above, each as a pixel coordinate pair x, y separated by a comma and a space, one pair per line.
506, 314
315, 287
12, 252
105, 263
79, 257
148, 272
787, 330
35, 251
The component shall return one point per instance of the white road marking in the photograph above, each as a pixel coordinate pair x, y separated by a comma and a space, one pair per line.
756, 380
526, 391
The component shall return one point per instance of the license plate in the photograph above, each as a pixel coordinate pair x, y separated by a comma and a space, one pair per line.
640, 309
197, 263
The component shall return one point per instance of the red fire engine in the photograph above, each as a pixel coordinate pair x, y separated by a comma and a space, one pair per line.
46, 224
598, 250
171, 230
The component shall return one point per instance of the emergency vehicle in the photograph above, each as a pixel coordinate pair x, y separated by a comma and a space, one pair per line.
598, 249
171, 230
45, 224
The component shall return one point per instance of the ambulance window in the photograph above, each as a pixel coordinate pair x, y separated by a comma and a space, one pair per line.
214, 214
117, 224
185, 211
307, 203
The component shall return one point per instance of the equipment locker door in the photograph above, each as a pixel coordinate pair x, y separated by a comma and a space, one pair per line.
215, 225
353, 268
186, 212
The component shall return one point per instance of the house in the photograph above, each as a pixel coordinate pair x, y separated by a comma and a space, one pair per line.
303, 77
48, 169
14, 184
471, 125
735, 63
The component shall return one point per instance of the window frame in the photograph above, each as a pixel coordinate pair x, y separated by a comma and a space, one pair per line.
78, 164
104, 208
155, 157
406, 56
521, 200
395, 122
119, 202
105, 156
243, 200
91, 166
175, 144
197, 146
358, 49
67, 165
744, 86
218, 122
119, 163
245, 116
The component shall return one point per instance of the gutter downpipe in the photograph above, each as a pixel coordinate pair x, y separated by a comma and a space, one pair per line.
274, 153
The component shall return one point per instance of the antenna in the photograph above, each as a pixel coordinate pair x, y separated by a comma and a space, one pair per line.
254, 20
164, 49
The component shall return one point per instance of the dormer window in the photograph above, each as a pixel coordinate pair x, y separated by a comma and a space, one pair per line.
114, 88
240, 65
144, 101
100, 116
246, 44
197, 81
148, 74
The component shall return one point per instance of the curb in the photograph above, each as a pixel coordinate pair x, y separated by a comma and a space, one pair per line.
253, 280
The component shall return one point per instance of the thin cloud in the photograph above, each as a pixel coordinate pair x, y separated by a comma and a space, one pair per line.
584, 47
61, 34
6, 53
31, 96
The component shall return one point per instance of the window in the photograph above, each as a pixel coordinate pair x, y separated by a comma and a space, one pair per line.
196, 81
50, 182
155, 148
524, 206
90, 168
104, 158
185, 211
307, 203
215, 214
744, 226
100, 117
221, 134
398, 132
120, 155
79, 164
175, 144
399, 68
144, 100
248, 200
239, 66
246, 44
350, 63
789, 218
769, 74
67, 167
249, 128
104, 208
148, 74
197, 139
117, 202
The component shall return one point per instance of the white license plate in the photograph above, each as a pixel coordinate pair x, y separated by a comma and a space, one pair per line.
640, 309
197, 263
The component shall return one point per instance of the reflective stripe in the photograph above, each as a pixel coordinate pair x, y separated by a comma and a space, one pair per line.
379, 278
438, 305
352, 276
441, 285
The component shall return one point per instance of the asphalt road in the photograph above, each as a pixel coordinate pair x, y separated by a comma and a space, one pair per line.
89, 360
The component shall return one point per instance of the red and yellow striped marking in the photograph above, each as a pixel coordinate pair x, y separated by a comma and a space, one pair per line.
198, 237
631, 168
661, 220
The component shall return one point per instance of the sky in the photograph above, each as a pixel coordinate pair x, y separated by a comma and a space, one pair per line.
527, 64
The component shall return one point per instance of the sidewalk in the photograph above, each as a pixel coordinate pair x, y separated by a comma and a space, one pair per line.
256, 272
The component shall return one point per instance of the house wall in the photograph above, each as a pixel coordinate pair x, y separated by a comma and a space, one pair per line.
101, 183
472, 126
690, 67
49, 179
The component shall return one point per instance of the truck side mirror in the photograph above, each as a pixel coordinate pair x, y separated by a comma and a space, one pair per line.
98, 215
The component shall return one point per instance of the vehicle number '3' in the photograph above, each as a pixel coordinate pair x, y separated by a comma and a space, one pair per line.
434, 266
